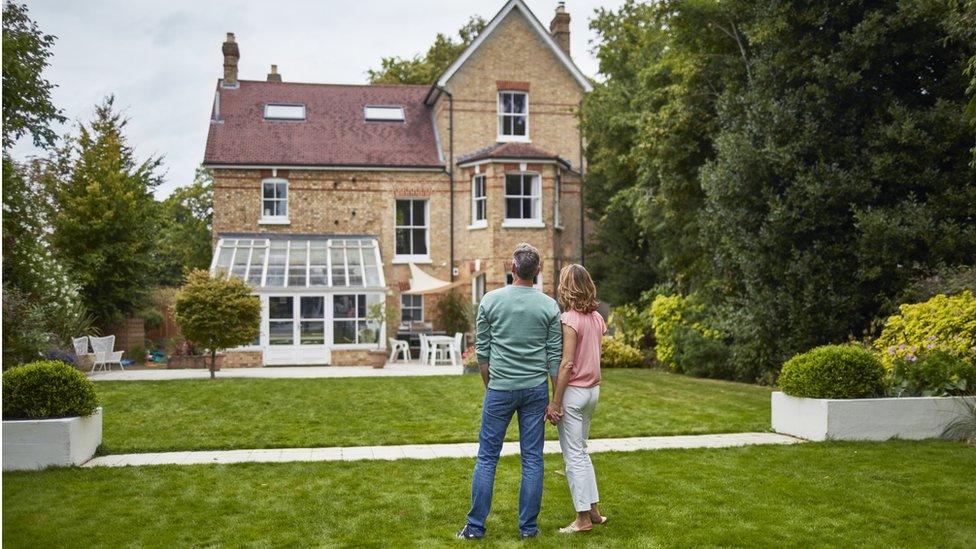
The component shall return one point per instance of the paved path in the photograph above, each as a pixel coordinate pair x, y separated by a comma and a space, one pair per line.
431, 451
391, 370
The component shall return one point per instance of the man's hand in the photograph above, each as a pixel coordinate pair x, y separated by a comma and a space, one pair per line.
554, 412
484, 373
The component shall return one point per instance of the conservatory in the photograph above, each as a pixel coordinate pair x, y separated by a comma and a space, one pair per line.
318, 293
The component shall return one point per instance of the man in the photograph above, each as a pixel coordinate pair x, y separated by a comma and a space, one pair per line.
518, 337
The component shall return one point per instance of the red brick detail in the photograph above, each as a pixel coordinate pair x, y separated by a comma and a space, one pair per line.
512, 85
510, 167
533, 167
403, 285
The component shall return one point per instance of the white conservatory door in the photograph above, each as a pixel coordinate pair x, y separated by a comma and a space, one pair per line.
298, 329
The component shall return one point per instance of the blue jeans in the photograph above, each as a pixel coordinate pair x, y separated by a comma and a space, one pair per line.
499, 407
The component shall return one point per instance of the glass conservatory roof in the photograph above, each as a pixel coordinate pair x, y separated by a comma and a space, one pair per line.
295, 261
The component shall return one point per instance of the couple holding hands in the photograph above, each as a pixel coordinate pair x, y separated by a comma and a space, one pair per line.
524, 341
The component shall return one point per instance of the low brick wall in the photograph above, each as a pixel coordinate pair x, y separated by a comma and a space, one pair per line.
243, 359
348, 357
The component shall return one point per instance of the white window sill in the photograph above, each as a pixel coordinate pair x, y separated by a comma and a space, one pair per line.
356, 347
274, 221
483, 224
513, 138
523, 224
418, 259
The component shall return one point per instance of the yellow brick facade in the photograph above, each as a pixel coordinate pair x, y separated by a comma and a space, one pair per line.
362, 202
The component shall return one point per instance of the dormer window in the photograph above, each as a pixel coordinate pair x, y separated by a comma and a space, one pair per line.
513, 116
280, 111
383, 113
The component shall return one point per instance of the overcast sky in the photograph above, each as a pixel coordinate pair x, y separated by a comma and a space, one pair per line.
162, 59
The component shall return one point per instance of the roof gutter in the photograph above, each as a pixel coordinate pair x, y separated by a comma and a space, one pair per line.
450, 163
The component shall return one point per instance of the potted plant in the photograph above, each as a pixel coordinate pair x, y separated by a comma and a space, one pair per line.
51, 416
469, 358
376, 314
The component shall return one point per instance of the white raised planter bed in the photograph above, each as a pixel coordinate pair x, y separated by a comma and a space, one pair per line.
911, 418
30, 444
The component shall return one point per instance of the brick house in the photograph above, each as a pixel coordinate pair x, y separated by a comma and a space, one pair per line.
331, 198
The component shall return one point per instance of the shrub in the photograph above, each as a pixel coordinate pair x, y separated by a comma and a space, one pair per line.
685, 341
943, 322
631, 324
932, 373
617, 354
833, 371
454, 312
47, 389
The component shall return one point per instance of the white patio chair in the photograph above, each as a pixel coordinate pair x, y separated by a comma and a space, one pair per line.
401, 347
456, 349
105, 353
82, 354
427, 351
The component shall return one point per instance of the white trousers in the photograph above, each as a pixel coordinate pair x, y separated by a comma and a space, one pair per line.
574, 428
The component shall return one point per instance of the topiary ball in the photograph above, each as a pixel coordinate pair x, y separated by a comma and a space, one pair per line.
833, 371
47, 389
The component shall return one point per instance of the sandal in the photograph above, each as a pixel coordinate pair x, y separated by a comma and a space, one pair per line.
573, 528
603, 520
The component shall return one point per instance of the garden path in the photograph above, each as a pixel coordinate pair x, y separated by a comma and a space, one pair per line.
430, 451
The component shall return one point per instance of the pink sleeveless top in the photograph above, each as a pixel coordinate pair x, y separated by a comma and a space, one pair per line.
589, 330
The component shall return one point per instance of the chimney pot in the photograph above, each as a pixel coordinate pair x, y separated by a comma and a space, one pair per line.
231, 55
273, 76
559, 28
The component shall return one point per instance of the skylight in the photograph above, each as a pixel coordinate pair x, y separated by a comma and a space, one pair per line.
376, 113
274, 111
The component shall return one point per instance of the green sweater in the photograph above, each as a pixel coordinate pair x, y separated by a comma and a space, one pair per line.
518, 335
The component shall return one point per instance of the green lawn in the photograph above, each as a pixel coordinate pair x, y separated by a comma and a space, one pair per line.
894, 494
273, 413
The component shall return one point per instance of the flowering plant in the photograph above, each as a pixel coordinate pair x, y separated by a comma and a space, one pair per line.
469, 358
931, 372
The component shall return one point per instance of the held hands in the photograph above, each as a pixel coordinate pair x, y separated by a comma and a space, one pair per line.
554, 412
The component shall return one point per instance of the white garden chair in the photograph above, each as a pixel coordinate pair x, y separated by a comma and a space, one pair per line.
427, 351
456, 349
105, 353
401, 347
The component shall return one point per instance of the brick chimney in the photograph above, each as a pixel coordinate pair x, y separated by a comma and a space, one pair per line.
559, 27
273, 76
231, 55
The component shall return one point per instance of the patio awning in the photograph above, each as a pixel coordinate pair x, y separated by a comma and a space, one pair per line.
422, 283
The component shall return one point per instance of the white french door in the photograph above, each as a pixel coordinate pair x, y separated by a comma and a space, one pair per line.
298, 328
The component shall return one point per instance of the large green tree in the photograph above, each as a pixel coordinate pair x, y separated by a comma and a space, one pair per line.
27, 107
841, 171
184, 241
425, 68
106, 219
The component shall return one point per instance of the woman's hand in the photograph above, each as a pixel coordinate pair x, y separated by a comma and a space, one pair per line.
554, 412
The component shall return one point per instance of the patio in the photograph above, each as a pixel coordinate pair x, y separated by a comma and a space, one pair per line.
281, 372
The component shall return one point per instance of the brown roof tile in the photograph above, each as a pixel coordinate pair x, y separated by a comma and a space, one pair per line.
513, 150
333, 134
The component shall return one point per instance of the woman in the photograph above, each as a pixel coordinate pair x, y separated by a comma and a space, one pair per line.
577, 389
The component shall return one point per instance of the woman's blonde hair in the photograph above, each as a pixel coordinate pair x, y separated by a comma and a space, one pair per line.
576, 289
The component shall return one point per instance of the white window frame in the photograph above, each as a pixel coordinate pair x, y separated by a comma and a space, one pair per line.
475, 200
535, 196
383, 113
274, 219
332, 319
537, 283
403, 322
412, 258
502, 114
557, 221
284, 111
478, 286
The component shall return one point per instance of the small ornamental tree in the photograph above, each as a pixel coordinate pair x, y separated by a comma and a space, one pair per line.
216, 314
